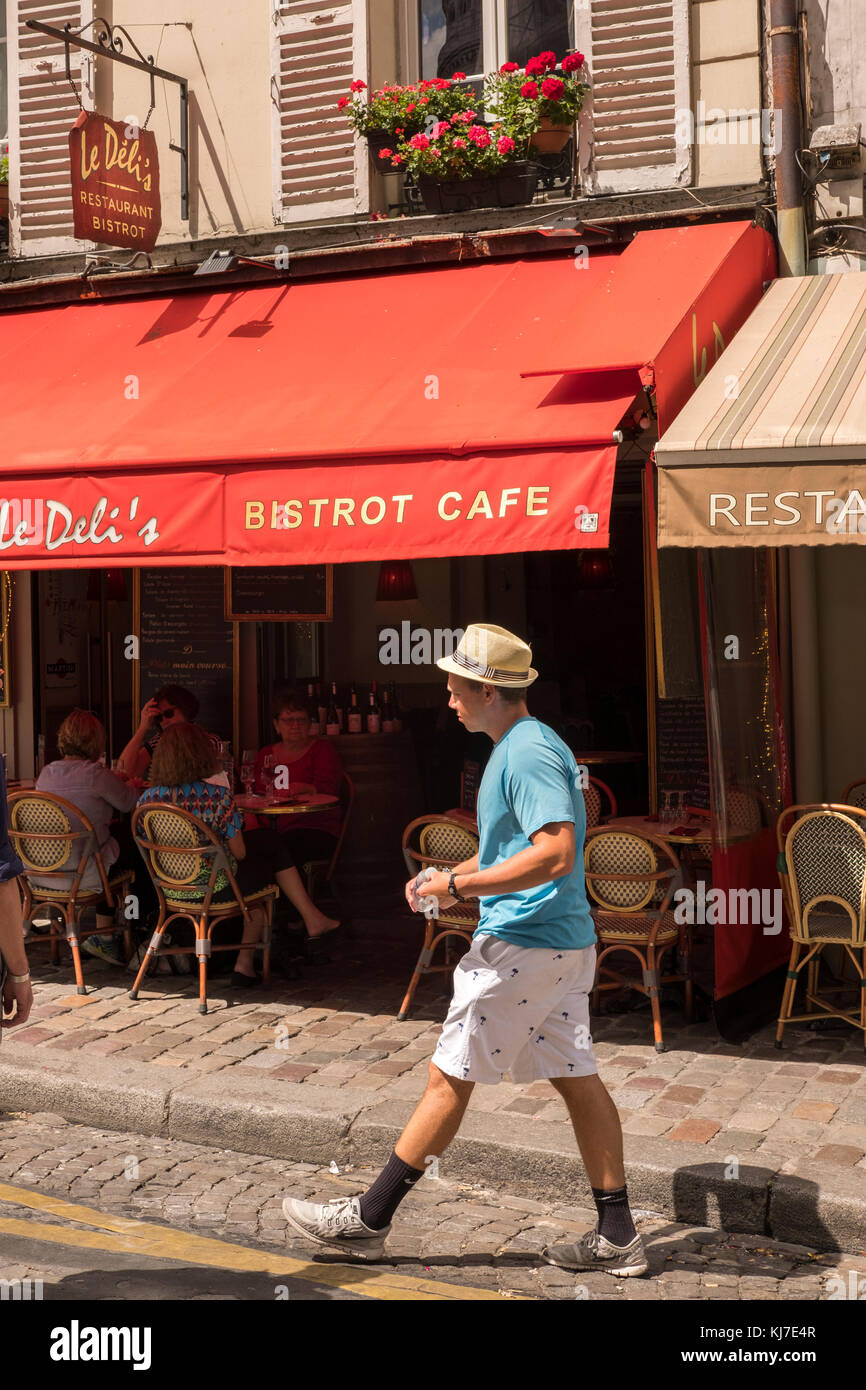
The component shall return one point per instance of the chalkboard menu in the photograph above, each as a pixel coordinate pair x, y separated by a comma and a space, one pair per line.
275, 593
681, 742
184, 639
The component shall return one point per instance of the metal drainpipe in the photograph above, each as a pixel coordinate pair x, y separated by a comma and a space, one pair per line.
805, 694
785, 55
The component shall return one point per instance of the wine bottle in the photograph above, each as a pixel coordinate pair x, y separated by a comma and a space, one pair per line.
387, 712
322, 706
355, 720
313, 711
340, 703
374, 718
332, 714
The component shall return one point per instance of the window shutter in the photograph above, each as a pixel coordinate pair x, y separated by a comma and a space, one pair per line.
320, 170
43, 110
638, 56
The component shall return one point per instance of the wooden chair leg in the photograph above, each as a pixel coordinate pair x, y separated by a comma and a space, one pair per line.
423, 962
202, 945
787, 1005
651, 980
72, 940
152, 948
269, 933
863, 993
689, 982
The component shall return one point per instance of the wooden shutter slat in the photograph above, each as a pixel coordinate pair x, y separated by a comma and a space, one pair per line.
318, 48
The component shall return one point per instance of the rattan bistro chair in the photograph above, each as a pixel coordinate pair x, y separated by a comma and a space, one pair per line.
325, 869
600, 802
42, 835
822, 866
855, 794
439, 842
176, 845
631, 880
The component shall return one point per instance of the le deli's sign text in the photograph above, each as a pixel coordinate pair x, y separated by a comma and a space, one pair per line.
115, 182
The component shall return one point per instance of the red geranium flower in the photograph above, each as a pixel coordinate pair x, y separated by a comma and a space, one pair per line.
529, 89
552, 88
398, 159
459, 77
358, 86
535, 68
479, 136
440, 129
419, 142
459, 143
410, 107
510, 67
342, 103
548, 58
386, 154
505, 145
571, 62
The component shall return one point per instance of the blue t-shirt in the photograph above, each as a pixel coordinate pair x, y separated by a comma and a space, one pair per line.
531, 781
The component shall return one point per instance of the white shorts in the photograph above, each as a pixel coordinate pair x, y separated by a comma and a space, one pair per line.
520, 1011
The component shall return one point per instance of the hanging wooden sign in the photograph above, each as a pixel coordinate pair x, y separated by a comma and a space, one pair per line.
115, 182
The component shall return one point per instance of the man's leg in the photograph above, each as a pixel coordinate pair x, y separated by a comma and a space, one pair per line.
436, 1118
364, 1221
597, 1129
617, 1246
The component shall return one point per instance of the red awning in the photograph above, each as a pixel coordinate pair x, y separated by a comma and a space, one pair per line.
342, 419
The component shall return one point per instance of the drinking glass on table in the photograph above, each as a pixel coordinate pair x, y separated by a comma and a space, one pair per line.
268, 765
248, 772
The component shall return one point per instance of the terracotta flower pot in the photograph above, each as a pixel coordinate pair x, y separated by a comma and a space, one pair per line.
513, 186
550, 138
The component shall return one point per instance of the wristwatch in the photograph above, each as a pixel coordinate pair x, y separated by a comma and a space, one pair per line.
452, 889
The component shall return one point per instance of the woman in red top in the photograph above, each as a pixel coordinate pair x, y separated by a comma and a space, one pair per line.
313, 766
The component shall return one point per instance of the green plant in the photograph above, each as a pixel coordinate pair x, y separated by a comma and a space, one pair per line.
522, 98
4, 168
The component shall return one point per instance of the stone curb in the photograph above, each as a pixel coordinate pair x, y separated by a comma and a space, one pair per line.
306, 1123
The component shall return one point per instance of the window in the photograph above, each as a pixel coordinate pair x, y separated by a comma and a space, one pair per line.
476, 36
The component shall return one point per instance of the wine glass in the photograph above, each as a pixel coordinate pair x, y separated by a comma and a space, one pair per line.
248, 774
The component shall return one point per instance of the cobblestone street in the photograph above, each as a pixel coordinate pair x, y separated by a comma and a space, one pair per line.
336, 1028
454, 1233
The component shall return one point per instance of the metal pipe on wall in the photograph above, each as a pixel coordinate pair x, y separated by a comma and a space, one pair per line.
803, 696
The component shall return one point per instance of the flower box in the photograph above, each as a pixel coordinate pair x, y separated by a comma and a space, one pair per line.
4, 202
513, 185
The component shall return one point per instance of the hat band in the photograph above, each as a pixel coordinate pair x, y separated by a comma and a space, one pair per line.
490, 673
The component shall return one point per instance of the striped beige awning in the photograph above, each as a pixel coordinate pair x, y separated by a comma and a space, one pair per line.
771, 448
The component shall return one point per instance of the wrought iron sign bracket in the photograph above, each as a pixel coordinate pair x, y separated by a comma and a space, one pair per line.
109, 44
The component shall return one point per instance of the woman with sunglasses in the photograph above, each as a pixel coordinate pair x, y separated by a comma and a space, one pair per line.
171, 705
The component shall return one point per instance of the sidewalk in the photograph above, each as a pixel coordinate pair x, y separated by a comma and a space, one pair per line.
747, 1138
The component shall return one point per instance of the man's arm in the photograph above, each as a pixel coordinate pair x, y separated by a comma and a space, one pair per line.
550, 856
135, 759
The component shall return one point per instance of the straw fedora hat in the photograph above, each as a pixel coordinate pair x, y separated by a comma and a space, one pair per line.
491, 655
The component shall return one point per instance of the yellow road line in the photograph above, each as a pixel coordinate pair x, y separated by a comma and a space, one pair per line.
128, 1237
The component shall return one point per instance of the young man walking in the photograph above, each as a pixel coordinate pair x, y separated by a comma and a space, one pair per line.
521, 992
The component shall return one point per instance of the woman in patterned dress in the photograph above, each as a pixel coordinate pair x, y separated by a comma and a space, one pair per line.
182, 761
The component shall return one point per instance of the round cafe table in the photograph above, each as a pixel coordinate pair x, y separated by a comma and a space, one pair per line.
294, 806
694, 830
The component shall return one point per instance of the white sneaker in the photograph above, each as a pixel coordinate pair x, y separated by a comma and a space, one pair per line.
336, 1223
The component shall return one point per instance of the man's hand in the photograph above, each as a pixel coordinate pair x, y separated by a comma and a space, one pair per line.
19, 997
435, 887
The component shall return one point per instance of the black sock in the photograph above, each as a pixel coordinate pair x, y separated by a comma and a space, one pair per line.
394, 1182
614, 1217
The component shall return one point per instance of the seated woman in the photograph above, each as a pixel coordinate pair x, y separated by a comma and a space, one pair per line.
313, 766
183, 760
78, 776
